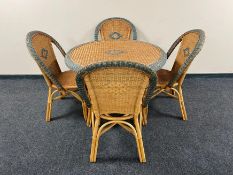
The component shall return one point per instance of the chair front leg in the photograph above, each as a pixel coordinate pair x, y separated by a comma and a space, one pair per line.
139, 137
182, 103
94, 139
84, 106
49, 105
180, 97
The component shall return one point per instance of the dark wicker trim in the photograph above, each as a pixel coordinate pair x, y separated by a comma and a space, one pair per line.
69, 62
97, 29
192, 55
71, 65
160, 62
81, 73
33, 53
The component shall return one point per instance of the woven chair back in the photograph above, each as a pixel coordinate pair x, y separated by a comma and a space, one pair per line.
40, 46
115, 29
43, 47
191, 43
114, 89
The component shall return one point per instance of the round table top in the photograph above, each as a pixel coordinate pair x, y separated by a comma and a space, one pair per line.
99, 51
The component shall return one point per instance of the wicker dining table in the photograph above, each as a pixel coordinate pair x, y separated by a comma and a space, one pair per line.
131, 50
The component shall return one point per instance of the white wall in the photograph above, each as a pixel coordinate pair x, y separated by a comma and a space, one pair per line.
72, 22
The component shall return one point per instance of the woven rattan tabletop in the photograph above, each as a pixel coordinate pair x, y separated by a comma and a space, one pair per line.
98, 51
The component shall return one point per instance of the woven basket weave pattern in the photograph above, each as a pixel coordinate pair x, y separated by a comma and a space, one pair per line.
130, 66
135, 51
42, 43
116, 90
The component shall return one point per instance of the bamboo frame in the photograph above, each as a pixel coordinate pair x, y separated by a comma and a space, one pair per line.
174, 92
40, 47
52, 90
128, 87
63, 93
112, 121
170, 82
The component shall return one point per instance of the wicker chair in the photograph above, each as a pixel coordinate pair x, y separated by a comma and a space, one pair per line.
117, 87
60, 84
170, 82
115, 29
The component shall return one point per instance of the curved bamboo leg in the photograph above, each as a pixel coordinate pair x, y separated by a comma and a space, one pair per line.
139, 149
170, 94
141, 119
94, 139
49, 106
92, 116
145, 115
75, 95
139, 137
108, 125
182, 103
99, 133
157, 92
134, 132
84, 106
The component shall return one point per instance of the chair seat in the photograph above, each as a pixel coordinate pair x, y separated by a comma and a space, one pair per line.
164, 76
67, 80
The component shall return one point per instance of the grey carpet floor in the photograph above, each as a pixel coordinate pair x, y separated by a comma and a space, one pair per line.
202, 145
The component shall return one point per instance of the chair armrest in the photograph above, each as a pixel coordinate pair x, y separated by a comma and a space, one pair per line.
172, 48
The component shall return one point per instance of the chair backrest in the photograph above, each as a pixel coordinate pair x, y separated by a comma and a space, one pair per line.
40, 47
115, 29
191, 44
116, 87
